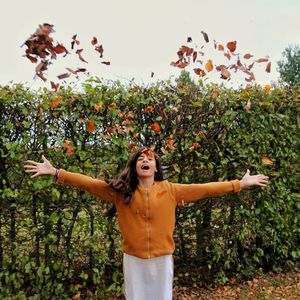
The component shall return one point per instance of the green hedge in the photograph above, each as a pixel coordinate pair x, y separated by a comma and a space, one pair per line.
56, 241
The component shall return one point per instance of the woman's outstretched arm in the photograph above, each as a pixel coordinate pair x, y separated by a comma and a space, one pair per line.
193, 192
96, 187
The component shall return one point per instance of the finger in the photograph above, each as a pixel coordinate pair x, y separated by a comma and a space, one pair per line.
45, 159
30, 166
34, 175
30, 171
32, 162
248, 172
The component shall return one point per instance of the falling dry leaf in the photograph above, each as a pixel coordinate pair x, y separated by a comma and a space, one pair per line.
248, 55
91, 126
267, 88
261, 60
94, 41
199, 72
54, 86
268, 67
55, 102
155, 127
231, 46
205, 36
78, 52
248, 105
209, 66
63, 76
266, 160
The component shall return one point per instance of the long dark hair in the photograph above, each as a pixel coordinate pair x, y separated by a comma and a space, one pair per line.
127, 181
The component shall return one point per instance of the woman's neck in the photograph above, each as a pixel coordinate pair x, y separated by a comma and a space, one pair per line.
146, 182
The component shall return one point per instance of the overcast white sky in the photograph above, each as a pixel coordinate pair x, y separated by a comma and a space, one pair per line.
140, 37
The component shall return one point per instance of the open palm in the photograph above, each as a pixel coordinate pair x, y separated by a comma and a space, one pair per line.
250, 180
44, 168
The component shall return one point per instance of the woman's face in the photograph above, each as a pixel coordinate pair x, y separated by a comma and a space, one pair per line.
146, 165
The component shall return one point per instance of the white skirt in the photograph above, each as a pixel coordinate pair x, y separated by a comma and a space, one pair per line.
148, 279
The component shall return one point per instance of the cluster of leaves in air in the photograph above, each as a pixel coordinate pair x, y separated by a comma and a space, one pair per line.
188, 55
41, 49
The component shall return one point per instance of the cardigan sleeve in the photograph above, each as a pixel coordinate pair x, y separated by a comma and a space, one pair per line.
193, 192
96, 187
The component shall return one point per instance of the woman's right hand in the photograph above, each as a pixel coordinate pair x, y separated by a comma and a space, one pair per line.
44, 168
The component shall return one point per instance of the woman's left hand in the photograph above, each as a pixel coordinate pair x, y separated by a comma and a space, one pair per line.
250, 180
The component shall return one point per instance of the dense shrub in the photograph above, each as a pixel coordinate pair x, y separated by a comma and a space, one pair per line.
56, 241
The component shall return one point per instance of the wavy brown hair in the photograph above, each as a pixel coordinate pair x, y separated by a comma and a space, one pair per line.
127, 181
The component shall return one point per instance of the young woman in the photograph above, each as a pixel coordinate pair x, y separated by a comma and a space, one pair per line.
145, 204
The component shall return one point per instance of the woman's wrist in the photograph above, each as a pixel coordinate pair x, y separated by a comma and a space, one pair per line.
53, 171
242, 184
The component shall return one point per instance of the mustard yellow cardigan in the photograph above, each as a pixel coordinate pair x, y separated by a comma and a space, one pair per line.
147, 223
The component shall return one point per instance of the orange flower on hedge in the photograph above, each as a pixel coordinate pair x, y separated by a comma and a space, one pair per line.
91, 126
149, 109
267, 88
112, 106
155, 127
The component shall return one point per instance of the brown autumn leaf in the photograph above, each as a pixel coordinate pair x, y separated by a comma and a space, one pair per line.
54, 86
63, 76
187, 50
195, 54
231, 46
214, 94
248, 55
205, 36
78, 52
91, 126
31, 58
54, 103
261, 60
248, 105
155, 127
266, 160
221, 47
225, 74
181, 64
100, 50
189, 39
112, 106
74, 41
227, 54
267, 88
268, 67
59, 48
209, 66
106, 63
94, 41
170, 145
199, 72
70, 151
71, 71
152, 74
149, 109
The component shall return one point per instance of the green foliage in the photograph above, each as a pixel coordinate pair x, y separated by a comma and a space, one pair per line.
56, 241
289, 66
